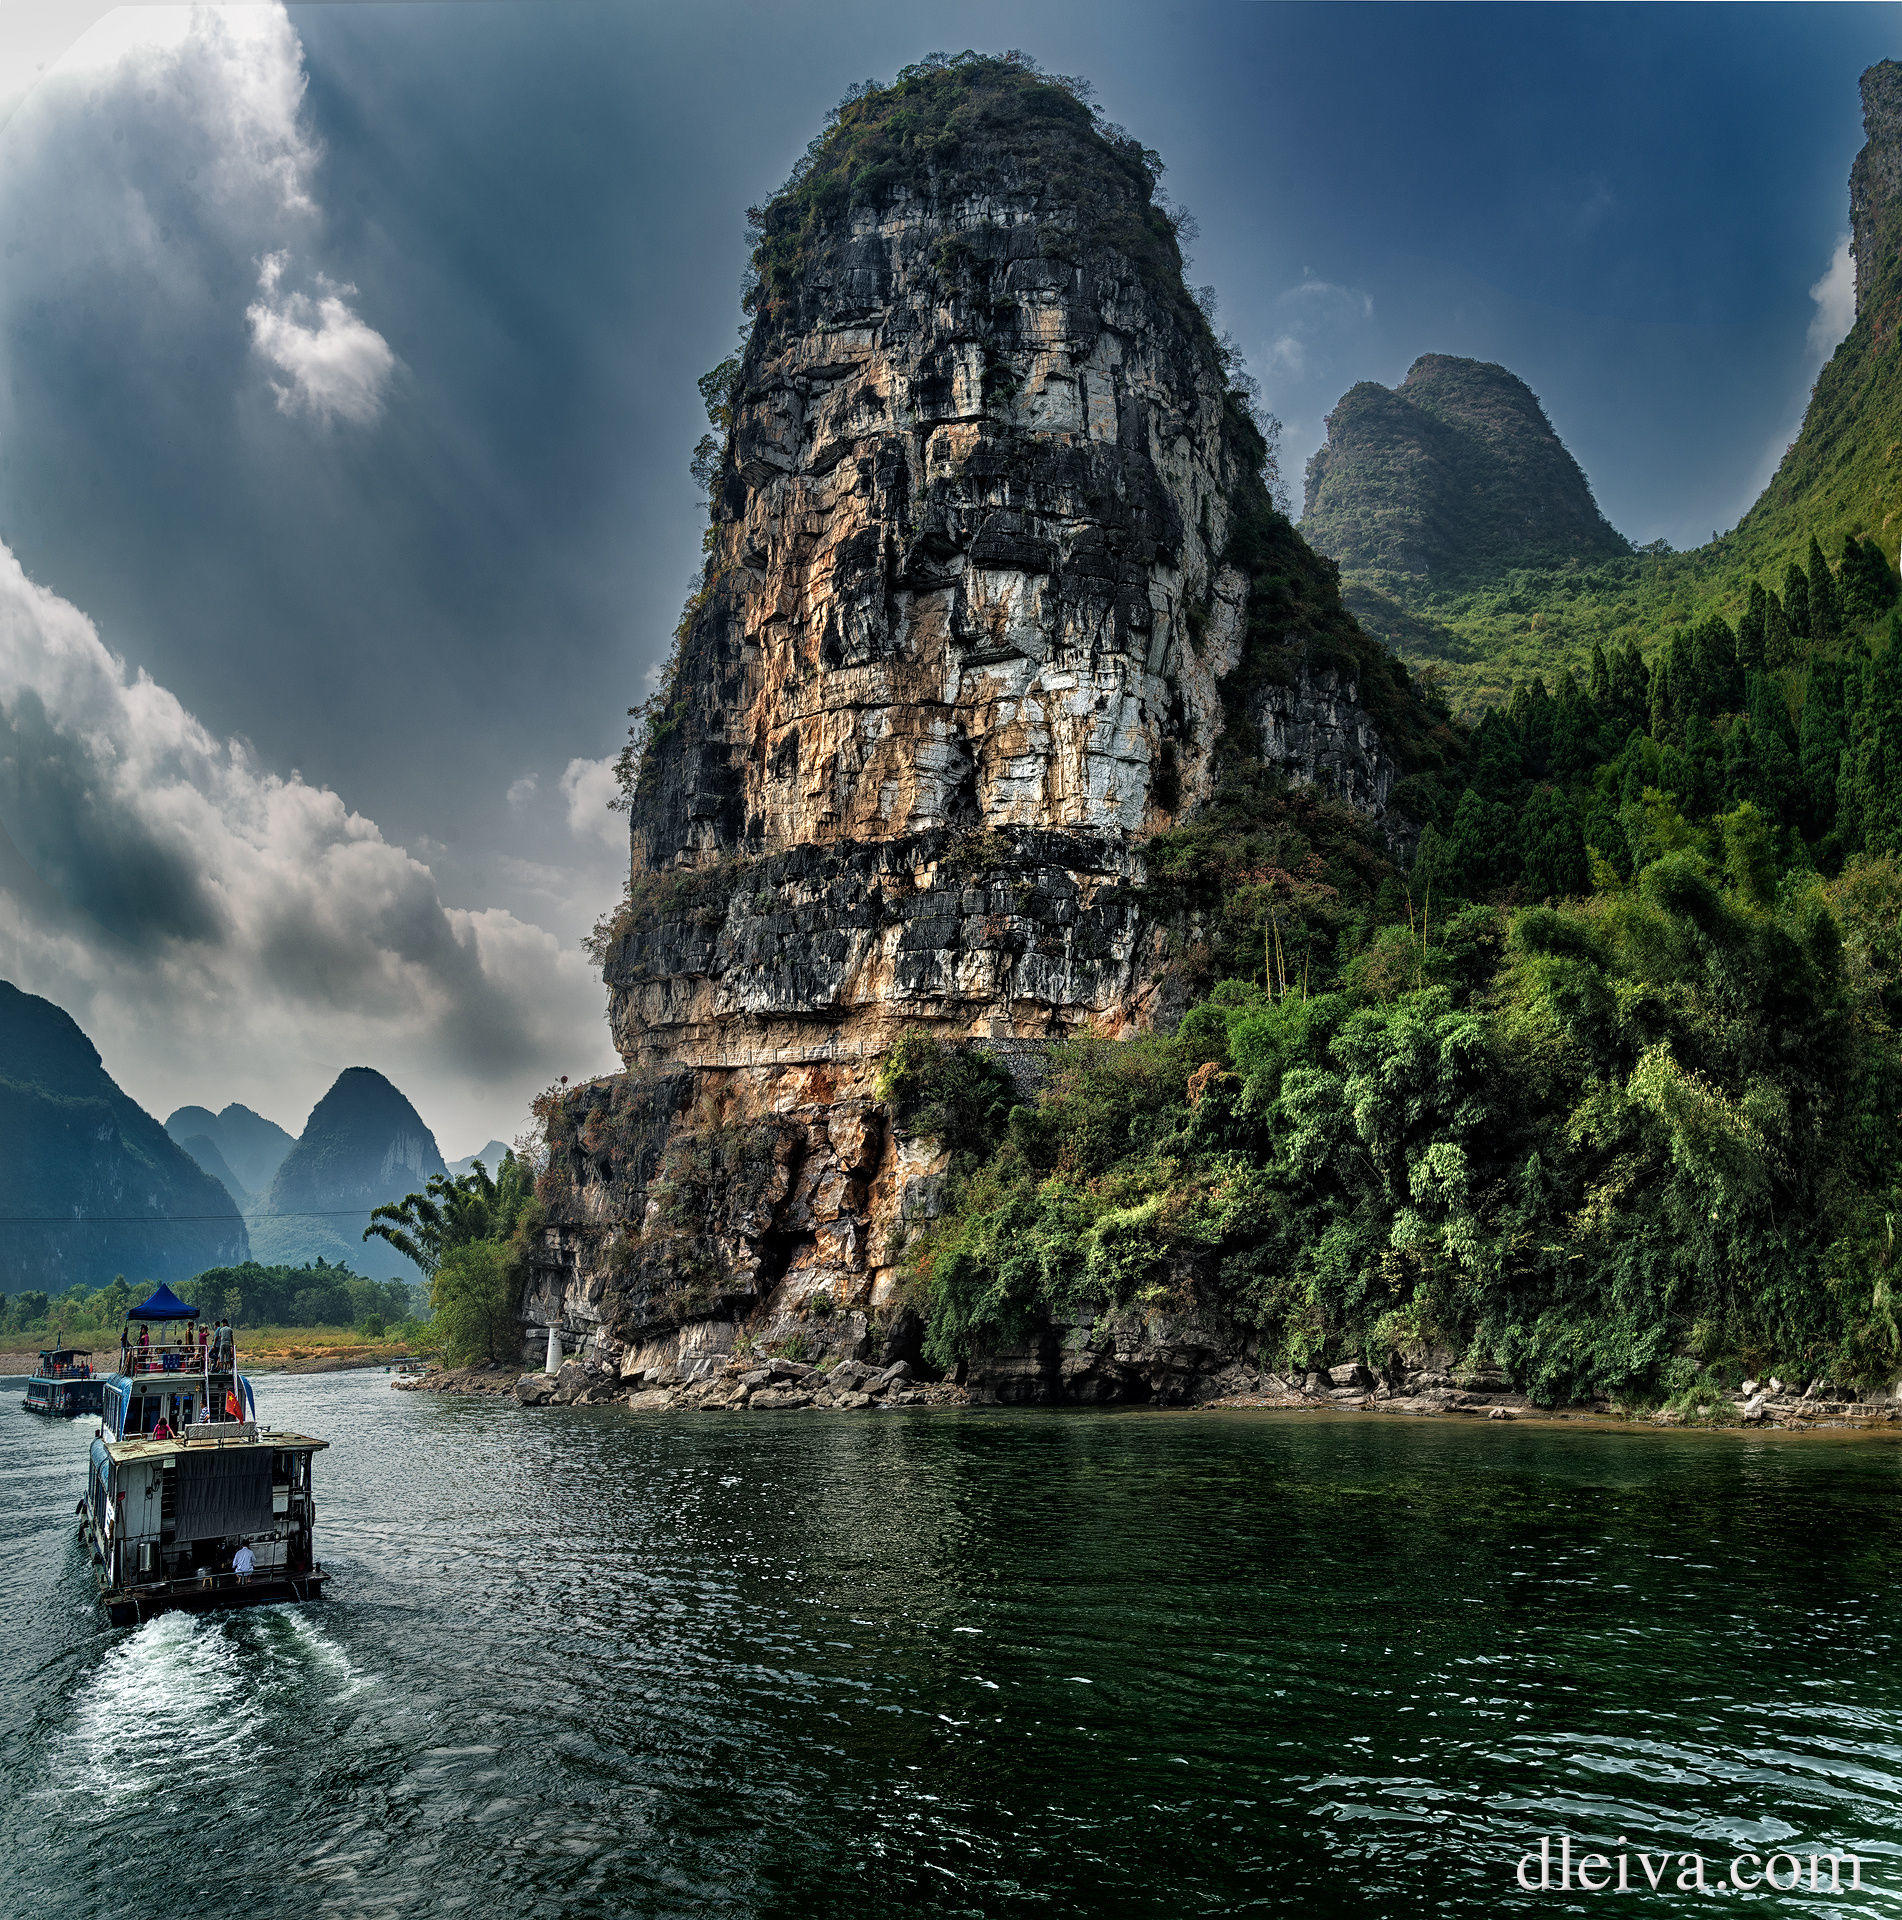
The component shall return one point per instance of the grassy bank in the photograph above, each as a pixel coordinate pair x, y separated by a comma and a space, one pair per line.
260, 1349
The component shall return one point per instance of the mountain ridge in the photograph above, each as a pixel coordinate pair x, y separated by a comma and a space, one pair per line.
362, 1145
77, 1145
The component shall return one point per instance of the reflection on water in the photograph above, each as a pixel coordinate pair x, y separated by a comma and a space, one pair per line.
583, 1663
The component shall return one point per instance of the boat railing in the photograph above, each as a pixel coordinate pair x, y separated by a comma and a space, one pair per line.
223, 1581
142, 1361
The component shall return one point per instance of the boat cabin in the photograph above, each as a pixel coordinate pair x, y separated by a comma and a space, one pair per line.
182, 1476
63, 1384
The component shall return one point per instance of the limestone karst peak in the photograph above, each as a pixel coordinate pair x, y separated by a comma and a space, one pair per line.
996, 590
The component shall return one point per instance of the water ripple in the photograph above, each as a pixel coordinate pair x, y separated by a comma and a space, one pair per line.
578, 1663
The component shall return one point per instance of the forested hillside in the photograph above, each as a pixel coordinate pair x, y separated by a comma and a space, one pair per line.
1606, 1094
1839, 482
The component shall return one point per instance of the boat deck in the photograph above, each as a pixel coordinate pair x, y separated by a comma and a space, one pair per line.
219, 1434
127, 1605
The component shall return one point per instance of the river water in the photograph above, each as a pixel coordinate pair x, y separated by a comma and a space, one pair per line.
579, 1662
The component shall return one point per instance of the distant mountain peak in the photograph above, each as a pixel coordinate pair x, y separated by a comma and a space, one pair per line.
95, 1185
363, 1144
1454, 471
490, 1156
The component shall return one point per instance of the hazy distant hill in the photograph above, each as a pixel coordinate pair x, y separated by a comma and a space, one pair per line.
94, 1185
362, 1145
490, 1156
204, 1149
252, 1147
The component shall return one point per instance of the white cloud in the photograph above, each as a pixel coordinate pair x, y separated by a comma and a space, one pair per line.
336, 366
1835, 297
1351, 302
158, 185
591, 791
522, 791
223, 931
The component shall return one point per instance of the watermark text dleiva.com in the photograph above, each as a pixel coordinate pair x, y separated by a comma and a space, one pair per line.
1554, 1867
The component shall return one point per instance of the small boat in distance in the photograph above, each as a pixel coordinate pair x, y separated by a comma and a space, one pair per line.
190, 1501
64, 1385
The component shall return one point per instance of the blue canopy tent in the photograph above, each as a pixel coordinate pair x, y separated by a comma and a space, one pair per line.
164, 1304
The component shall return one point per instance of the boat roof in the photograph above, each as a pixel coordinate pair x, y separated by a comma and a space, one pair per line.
162, 1304
262, 1438
66, 1353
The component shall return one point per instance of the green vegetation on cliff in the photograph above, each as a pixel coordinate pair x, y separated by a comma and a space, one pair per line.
1609, 1095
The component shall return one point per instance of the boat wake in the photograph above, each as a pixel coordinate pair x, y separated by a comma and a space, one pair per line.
322, 1652
183, 1697
172, 1698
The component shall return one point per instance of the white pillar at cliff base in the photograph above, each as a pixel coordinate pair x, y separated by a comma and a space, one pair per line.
553, 1364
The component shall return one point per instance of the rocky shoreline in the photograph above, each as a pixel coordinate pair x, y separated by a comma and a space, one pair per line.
778, 1385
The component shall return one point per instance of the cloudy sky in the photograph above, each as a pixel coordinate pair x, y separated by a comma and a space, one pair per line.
346, 397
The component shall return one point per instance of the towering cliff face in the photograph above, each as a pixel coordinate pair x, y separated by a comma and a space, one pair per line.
1875, 180
993, 586
966, 612
1456, 469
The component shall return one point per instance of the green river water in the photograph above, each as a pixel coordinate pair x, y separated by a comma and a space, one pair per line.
579, 1662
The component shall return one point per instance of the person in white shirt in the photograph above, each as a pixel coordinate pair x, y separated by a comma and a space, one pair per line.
242, 1562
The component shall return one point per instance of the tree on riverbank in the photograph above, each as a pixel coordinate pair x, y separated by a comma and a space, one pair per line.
471, 1235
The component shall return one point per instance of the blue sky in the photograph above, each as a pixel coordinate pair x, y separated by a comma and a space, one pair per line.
346, 389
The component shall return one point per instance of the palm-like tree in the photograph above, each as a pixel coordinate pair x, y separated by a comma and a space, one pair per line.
448, 1213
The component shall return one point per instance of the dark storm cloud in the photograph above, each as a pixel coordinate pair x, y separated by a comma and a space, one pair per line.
215, 913
348, 384
99, 855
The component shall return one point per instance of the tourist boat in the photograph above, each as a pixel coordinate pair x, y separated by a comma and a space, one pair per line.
183, 1476
64, 1385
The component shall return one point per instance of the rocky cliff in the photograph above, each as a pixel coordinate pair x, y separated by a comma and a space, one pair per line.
1875, 180
1455, 470
994, 592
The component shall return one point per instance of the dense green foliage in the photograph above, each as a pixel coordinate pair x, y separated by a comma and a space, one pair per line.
318, 1295
1608, 1094
959, 1098
472, 1235
248, 1295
